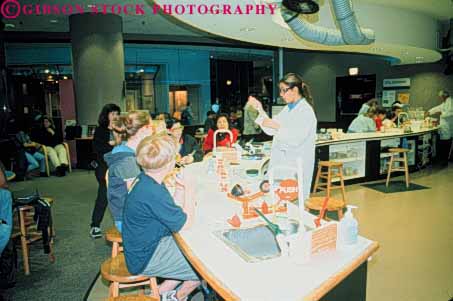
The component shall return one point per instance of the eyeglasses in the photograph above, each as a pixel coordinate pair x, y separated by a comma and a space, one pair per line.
284, 90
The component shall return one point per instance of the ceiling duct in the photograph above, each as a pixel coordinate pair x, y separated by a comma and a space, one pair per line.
350, 32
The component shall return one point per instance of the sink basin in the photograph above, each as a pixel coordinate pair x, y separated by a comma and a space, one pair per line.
256, 243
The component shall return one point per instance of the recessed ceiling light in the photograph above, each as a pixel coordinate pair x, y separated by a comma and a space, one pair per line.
211, 56
53, 21
65, 77
10, 25
228, 82
46, 71
247, 29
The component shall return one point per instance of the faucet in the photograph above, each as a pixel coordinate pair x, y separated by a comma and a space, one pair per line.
398, 119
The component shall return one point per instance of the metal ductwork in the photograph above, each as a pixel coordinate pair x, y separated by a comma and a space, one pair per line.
350, 32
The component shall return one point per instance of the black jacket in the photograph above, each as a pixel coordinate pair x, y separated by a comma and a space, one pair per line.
190, 146
101, 144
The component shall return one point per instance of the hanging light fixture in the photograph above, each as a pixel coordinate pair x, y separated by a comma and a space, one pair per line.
302, 6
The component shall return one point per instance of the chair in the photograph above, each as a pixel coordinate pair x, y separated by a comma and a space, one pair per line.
334, 169
115, 270
46, 157
114, 236
396, 157
26, 229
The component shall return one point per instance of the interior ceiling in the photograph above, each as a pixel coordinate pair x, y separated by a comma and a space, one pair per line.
150, 24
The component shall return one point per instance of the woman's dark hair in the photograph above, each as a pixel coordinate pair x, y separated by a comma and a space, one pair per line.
381, 110
295, 80
217, 119
103, 119
170, 122
52, 125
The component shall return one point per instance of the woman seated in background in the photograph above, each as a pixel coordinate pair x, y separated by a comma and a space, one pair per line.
189, 149
372, 103
223, 139
123, 168
380, 116
46, 135
363, 123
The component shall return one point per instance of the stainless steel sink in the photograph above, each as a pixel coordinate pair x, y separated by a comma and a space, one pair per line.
256, 243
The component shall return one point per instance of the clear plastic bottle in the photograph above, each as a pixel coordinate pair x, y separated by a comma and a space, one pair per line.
349, 227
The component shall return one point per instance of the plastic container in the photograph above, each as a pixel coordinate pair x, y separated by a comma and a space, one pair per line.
349, 228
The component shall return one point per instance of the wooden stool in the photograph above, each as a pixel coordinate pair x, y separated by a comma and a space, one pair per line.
115, 271
315, 203
26, 229
396, 157
114, 236
334, 169
133, 298
328, 176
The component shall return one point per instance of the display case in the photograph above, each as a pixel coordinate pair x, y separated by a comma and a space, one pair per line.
352, 155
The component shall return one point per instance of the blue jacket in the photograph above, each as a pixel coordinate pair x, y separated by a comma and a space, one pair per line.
122, 167
6, 214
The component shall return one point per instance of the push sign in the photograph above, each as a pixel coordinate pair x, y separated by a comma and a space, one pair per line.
288, 190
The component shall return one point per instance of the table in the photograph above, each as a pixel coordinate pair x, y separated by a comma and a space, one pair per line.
339, 276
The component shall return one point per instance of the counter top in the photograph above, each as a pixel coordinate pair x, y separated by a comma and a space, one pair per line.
274, 279
394, 133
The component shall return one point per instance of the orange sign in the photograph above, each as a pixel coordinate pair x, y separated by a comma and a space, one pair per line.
288, 190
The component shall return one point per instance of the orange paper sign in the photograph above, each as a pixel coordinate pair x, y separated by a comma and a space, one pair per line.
288, 190
324, 239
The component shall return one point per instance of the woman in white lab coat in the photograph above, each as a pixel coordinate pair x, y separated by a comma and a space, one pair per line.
294, 128
446, 124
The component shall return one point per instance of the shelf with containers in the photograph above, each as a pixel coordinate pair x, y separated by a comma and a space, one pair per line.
352, 155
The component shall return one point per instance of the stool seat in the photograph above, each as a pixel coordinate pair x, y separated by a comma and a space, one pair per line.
133, 298
398, 150
113, 235
115, 269
315, 203
330, 164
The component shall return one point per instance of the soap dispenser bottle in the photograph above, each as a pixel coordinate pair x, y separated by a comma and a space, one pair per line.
349, 227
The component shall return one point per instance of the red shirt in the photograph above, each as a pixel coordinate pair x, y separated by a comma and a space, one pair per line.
208, 144
378, 122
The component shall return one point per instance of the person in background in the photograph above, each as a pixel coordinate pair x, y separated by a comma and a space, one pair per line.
103, 142
151, 216
372, 103
121, 161
189, 149
35, 158
187, 114
389, 121
294, 128
223, 139
210, 121
380, 116
397, 107
56, 151
251, 129
364, 123
445, 109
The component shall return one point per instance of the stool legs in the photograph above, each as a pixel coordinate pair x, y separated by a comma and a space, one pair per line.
24, 242
389, 172
318, 174
406, 170
343, 191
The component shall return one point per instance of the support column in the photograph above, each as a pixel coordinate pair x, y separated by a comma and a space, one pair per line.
98, 63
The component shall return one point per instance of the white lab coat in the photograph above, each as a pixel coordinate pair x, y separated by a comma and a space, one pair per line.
446, 118
294, 139
362, 124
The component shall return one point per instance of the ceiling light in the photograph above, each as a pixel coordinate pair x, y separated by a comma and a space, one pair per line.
10, 25
228, 82
353, 71
91, 5
46, 71
56, 82
53, 21
65, 77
